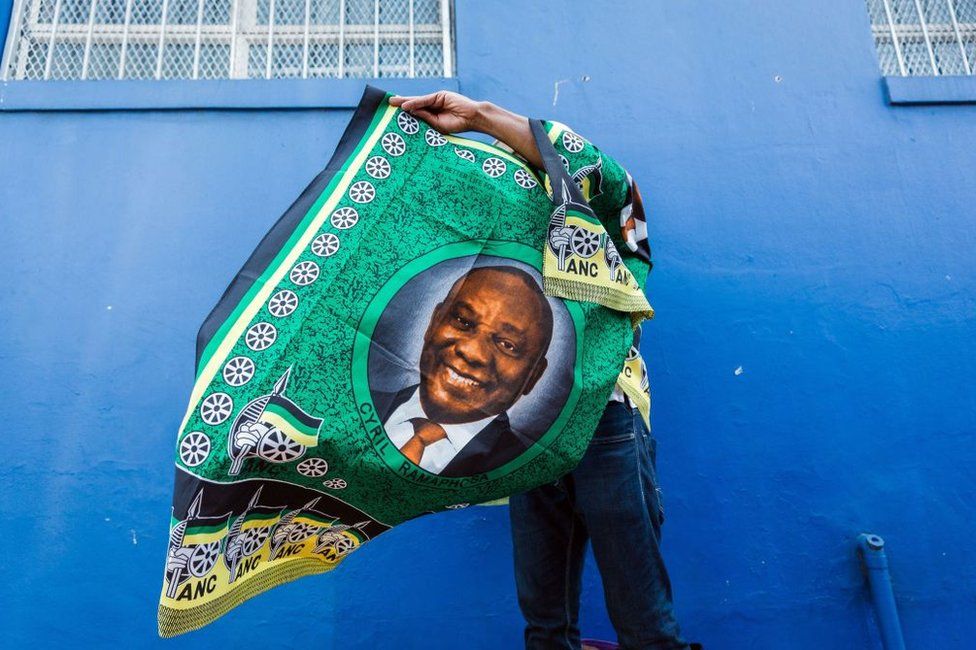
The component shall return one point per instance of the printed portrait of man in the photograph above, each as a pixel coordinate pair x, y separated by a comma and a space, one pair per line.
483, 350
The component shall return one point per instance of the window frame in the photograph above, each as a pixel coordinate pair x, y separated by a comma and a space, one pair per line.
908, 87
916, 91
222, 93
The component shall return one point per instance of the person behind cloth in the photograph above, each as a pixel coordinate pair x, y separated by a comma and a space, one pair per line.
611, 498
484, 348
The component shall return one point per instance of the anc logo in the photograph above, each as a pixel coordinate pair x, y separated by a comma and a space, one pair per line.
208, 554
273, 428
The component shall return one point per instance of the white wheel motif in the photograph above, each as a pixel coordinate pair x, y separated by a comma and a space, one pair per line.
465, 154
203, 558
335, 483
276, 447
253, 539
313, 467
238, 371
216, 408
572, 142
298, 532
434, 138
362, 192
408, 123
494, 167
524, 179
344, 545
584, 242
564, 161
283, 303
304, 273
260, 336
378, 167
326, 244
344, 218
393, 144
194, 448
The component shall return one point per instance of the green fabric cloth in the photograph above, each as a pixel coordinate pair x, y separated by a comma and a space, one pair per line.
407, 276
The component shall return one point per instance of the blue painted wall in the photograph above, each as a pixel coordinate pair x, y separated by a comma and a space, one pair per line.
804, 231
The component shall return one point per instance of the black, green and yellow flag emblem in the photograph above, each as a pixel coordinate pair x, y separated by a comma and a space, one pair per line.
291, 420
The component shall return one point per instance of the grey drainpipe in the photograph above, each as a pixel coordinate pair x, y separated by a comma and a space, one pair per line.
871, 550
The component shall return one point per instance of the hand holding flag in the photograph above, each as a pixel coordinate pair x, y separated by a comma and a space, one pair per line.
246, 438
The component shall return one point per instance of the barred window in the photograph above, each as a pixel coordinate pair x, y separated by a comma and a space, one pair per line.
924, 37
228, 39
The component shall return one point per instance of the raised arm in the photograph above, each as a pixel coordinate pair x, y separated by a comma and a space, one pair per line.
453, 113
606, 185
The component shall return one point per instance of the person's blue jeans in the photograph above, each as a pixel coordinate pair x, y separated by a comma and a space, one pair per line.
610, 499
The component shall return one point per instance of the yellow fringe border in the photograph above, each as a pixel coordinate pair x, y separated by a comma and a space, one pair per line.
633, 303
173, 622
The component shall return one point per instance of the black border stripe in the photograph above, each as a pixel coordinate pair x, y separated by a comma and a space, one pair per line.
273, 241
553, 167
223, 499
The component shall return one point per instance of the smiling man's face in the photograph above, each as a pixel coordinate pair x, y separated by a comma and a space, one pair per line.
485, 345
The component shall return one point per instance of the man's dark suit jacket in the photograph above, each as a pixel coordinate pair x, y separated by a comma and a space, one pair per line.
491, 447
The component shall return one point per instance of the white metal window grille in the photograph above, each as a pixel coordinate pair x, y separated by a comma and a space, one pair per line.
924, 37
228, 39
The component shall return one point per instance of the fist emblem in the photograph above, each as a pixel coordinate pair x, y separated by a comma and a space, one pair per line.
249, 434
178, 559
560, 236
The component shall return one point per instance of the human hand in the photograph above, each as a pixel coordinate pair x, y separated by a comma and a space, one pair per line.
560, 236
450, 112
248, 435
280, 535
178, 559
235, 548
446, 111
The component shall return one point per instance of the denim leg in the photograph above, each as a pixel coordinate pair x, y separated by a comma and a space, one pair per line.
616, 495
549, 540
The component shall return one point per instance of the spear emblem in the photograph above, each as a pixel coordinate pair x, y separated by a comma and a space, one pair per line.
235, 549
328, 536
281, 530
176, 543
557, 226
246, 450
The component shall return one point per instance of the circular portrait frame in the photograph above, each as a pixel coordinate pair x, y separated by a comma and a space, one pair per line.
383, 445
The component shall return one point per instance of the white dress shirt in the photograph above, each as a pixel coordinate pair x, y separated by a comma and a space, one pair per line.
436, 456
618, 395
